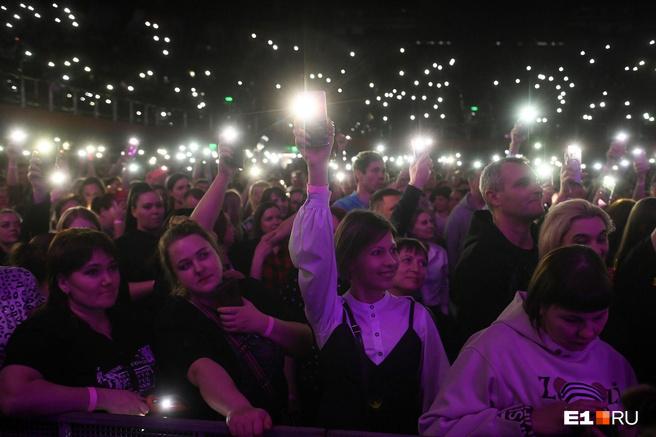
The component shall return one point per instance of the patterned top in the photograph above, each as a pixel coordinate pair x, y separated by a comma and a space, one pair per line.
19, 296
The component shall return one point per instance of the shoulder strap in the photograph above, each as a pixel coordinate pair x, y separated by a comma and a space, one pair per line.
353, 325
412, 313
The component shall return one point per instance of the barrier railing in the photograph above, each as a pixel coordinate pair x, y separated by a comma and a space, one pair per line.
112, 425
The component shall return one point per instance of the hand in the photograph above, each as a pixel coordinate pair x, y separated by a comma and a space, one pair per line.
226, 153
549, 419
121, 402
420, 170
341, 141
616, 150
34, 172
245, 319
248, 421
641, 165
265, 247
517, 138
13, 151
315, 151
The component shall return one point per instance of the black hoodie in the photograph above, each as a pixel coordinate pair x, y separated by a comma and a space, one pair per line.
491, 269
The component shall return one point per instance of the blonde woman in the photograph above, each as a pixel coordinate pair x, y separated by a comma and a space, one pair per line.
575, 221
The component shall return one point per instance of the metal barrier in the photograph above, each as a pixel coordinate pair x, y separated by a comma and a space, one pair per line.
113, 425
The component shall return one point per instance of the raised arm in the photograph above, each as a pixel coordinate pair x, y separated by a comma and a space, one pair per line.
209, 206
311, 245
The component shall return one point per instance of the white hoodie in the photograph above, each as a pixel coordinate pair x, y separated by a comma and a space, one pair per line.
509, 366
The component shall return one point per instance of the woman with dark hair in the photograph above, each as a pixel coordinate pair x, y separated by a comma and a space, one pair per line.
640, 224
138, 245
223, 342
177, 186
278, 196
542, 356
266, 219
79, 353
411, 274
89, 189
381, 356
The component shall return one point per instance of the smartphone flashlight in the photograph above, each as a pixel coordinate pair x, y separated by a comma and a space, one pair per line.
310, 107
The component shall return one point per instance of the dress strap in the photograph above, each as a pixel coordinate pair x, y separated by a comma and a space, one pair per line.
412, 313
353, 325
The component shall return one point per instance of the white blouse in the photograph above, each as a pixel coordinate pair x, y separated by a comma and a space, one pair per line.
383, 323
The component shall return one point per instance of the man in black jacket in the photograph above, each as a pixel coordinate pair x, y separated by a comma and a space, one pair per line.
500, 251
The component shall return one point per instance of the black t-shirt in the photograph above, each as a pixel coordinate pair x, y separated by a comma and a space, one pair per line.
66, 351
185, 334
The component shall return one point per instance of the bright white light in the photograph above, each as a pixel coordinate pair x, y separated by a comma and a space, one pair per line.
537, 146
28, 53
527, 114
255, 171
66, 77
17, 136
58, 177
609, 182
44, 147
109, 87
625, 163
133, 141
133, 167
544, 171
622, 136
229, 134
401, 73
495, 83
380, 148
420, 144
452, 62
310, 105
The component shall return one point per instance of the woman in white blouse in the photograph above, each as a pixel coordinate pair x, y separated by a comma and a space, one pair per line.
381, 356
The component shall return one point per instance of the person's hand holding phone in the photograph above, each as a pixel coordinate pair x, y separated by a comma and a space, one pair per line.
227, 161
640, 162
420, 170
518, 135
245, 319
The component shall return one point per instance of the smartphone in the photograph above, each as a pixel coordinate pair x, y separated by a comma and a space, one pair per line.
229, 294
573, 161
311, 113
229, 136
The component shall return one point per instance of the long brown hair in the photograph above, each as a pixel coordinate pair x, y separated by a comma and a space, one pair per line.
173, 234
